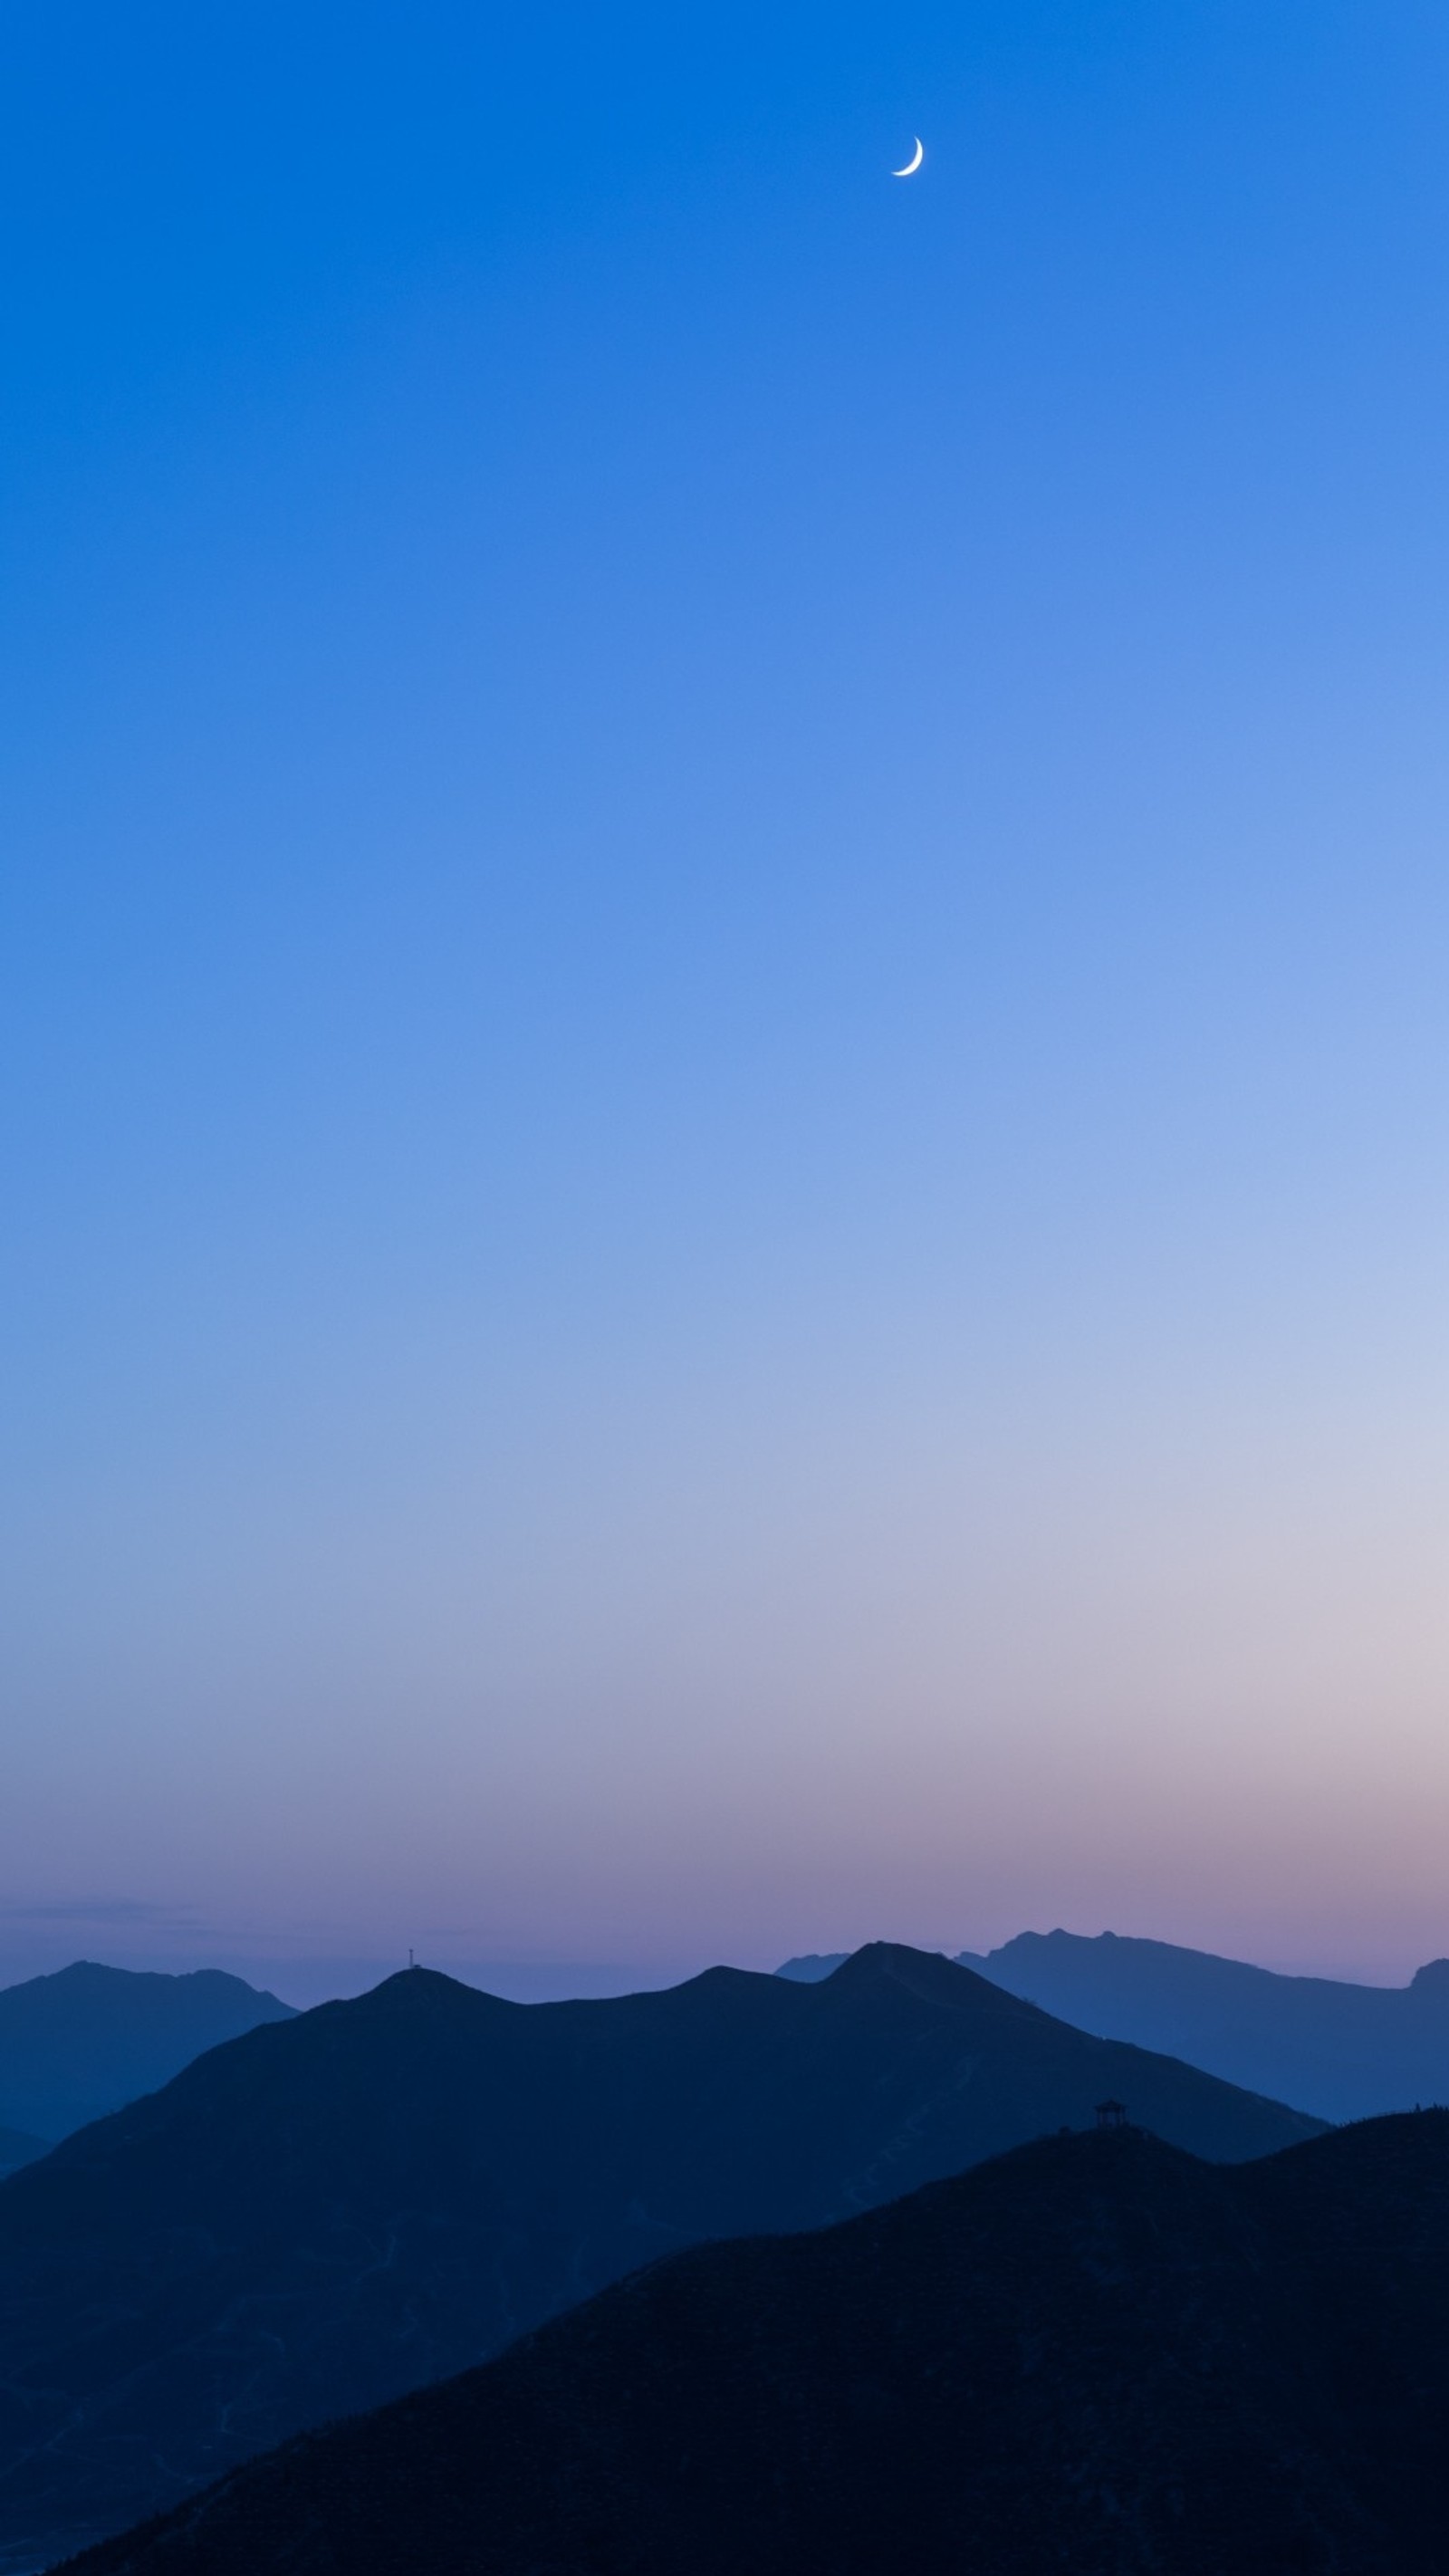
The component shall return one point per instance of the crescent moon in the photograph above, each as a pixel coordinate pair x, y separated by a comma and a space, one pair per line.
914, 163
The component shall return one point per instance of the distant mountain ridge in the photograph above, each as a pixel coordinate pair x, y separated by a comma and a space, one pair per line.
1346, 2052
814, 1966
1093, 2354
1343, 2051
82, 2043
334, 2209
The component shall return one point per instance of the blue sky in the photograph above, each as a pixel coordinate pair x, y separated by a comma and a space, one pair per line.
722, 1063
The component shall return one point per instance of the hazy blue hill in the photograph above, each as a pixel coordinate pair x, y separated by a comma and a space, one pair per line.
80, 2044
1346, 2052
813, 1966
1094, 2354
340, 2207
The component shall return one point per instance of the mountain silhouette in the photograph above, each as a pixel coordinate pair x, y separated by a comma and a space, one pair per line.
80, 2044
1095, 2353
1341, 2050
17, 2149
340, 2207
814, 1966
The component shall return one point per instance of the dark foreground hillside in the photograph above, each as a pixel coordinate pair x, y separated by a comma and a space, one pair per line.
1093, 2355
335, 2210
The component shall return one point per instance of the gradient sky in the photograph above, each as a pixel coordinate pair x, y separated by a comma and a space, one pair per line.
724, 978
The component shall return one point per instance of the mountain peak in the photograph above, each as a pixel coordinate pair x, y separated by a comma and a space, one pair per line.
927, 1974
417, 1984
79, 2044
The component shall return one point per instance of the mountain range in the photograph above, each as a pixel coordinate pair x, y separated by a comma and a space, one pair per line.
339, 2207
82, 2043
1346, 2052
1096, 2354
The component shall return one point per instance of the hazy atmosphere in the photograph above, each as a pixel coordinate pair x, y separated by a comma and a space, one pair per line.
723, 933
